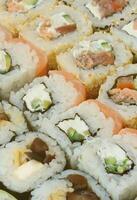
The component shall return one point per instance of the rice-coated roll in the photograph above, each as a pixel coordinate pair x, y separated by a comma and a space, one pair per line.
70, 185
113, 165
56, 30
92, 59
90, 119
128, 34
12, 122
120, 92
6, 196
29, 160
114, 13
13, 13
20, 62
49, 96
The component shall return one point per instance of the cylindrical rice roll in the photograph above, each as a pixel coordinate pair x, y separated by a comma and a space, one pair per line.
13, 13
20, 62
6, 196
128, 34
29, 160
12, 122
49, 96
90, 118
114, 13
92, 59
120, 92
56, 30
70, 185
113, 165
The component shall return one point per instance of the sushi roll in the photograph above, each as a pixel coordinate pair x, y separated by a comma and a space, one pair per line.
20, 62
120, 92
6, 196
56, 30
70, 185
49, 96
13, 13
29, 160
106, 13
92, 59
128, 34
113, 165
90, 119
12, 122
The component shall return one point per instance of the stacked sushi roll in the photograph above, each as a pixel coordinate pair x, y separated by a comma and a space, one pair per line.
120, 92
56, 30
92, 59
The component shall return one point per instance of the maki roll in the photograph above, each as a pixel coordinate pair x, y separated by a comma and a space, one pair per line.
13, 13
120, 92
70, 185
92, 59
20, 62
106, 13
56, 30
113, 165
29, 160
12, 122
6, 196
49, 96
90, 119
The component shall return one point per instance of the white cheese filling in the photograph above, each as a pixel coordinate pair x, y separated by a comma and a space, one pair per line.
36, 97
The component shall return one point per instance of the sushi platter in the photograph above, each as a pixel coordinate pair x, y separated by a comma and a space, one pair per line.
68, 100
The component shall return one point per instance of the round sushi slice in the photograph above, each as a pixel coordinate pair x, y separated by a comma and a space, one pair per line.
12, 122
92, 59
128, 34
114, 13
20, 62
29, 160
70, 185
13, 13
6, 196
90, 119
113, 165
49, 96
120, 92
56, 30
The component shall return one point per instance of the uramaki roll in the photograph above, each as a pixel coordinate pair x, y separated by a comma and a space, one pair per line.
56, 30
49, 96
92, 59
70, 185
29, 160
120, 92
20, 62
105, 13
112, 164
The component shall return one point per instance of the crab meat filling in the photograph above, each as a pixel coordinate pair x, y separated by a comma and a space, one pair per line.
5, 62
125, 90
38, 98
21, 5
131, 28
57, 25
31, 159
89, 54
76, 128
105, 8
115, 159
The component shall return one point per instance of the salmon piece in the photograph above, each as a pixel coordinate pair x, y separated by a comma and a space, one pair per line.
14, 6
81, 90
110, 113
42, 66
125, 95
125, 82
66, 29
128, 131
89, 60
